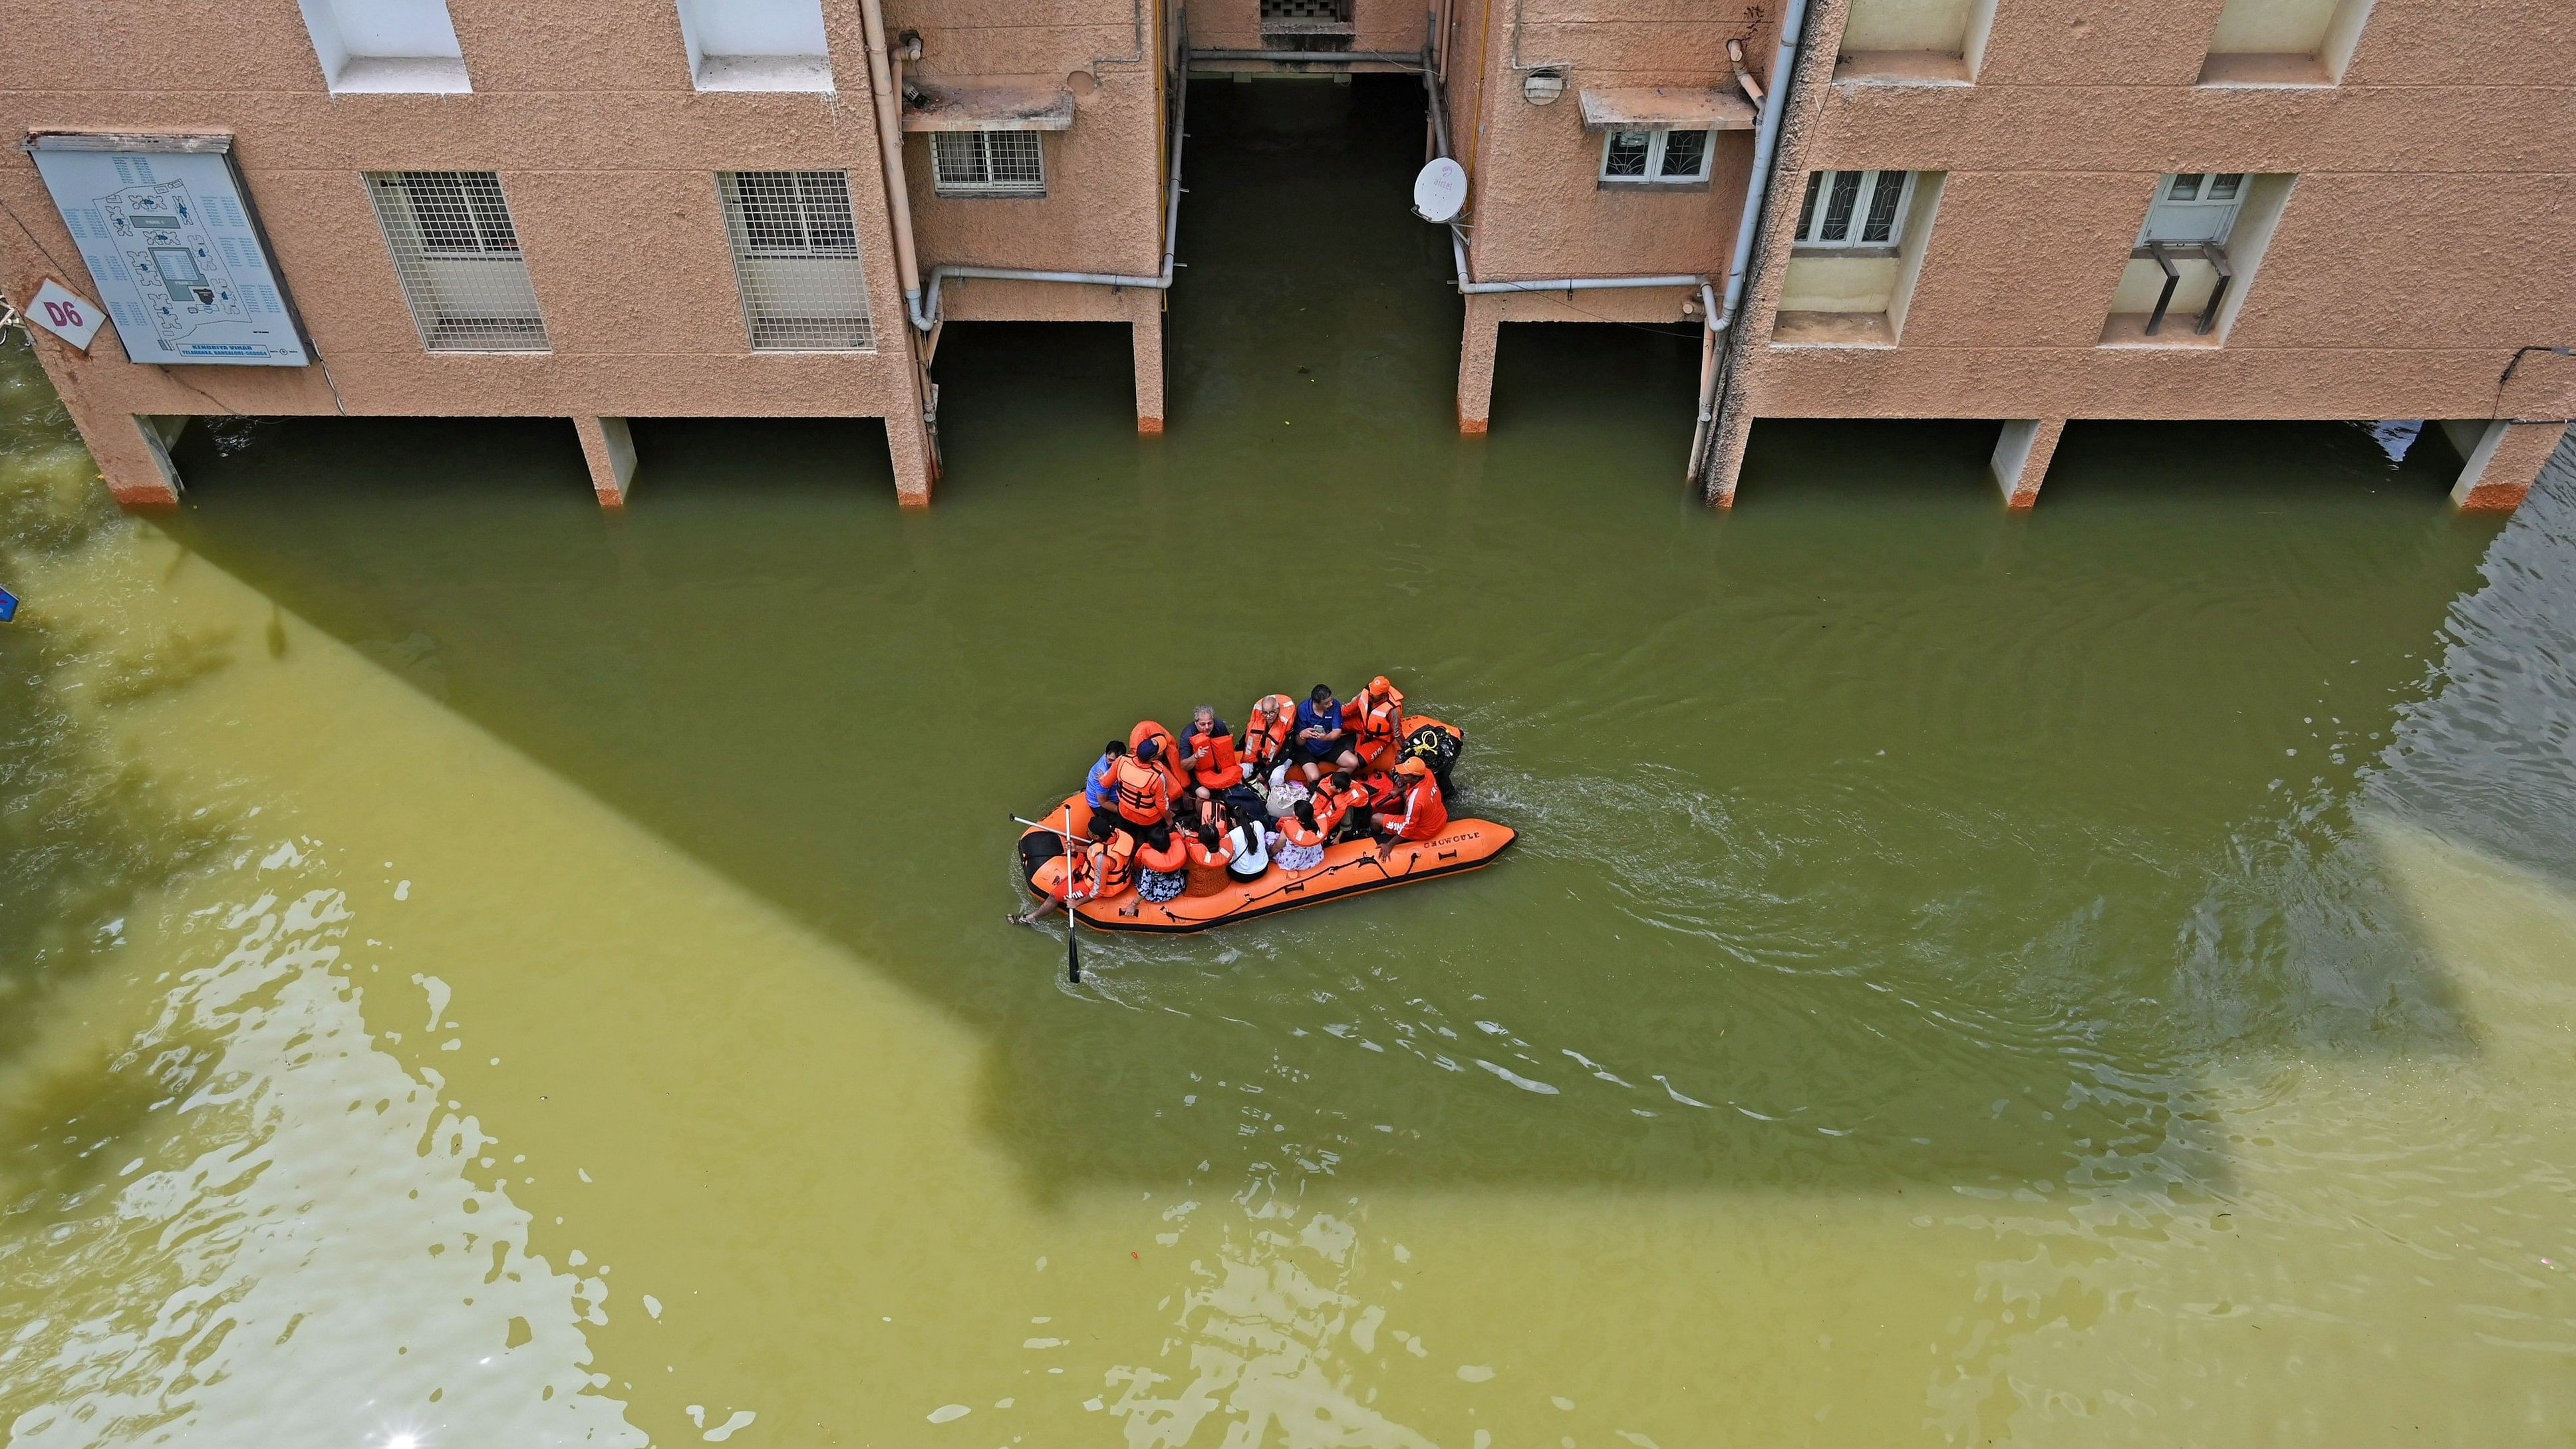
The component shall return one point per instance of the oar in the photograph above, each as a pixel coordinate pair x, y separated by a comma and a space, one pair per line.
1072, 917
1072, 948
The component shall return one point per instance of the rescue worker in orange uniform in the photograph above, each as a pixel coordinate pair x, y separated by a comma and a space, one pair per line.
1210, 757
1265, 735
1375, 720
1423, 815
1144, 790
1090, 870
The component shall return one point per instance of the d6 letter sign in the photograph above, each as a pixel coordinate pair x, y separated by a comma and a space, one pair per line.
65, 313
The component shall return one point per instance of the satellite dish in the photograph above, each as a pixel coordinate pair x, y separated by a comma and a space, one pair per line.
1440, 192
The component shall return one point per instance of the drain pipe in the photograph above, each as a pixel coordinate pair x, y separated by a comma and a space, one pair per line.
888, 102
925, 309
1757, 194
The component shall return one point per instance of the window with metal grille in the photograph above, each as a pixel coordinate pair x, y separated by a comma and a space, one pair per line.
1854, 208
2194, 207
796, 258
458, 257
987, 163
1648, 157
1306, 24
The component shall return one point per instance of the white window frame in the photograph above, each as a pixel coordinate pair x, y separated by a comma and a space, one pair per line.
1873, 187
945, 144
2193, 208
1655, 174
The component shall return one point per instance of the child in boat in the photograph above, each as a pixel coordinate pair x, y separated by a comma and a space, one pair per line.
1247, 851
1160, 873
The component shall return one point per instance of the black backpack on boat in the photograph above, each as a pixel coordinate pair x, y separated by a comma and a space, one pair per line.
1437, 746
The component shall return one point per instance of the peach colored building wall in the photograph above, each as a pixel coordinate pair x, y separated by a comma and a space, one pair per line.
1379, 27
607, 154
2423, 242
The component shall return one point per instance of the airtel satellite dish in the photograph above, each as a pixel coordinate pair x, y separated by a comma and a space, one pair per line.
1440, 192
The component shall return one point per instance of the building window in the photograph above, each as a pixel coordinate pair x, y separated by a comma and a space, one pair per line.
1649, 157
457, 253
1854, 209
756, 45
2194, 207
796, 258
385, 45
987, 163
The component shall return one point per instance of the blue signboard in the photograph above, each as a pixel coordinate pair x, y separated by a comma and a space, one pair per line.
173, 248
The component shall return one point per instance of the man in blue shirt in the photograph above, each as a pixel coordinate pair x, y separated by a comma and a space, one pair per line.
1317, 739
1098, 789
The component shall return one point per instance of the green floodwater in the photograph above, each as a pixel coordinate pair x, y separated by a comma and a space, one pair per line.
2097, 976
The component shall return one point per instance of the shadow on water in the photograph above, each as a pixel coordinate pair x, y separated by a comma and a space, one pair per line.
1871, 837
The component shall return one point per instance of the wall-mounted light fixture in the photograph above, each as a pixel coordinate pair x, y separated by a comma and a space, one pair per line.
1542, 87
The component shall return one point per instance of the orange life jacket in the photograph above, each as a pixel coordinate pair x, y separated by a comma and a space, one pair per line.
1203, 857
1144, 792
1425, 813
1294, 830
1218, 769
1170, 857
1113, 864
1329, 810
1263, 742
1167, 756
1374, 716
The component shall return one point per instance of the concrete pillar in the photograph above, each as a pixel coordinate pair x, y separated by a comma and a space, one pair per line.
2021, 457
1476, 364
2504, 459
1147, 336
1728, 435
610, 450
132, 453
915, 459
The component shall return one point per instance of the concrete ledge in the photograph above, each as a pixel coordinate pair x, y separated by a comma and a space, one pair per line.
2503, 461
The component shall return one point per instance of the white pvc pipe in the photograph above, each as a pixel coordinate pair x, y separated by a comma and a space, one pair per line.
925, 310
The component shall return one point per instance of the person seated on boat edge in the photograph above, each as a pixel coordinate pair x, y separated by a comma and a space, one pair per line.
1320, 735
1209, 851
1265, 735
1161, 866
1144, 791
1098, 867
1301, 837
1209, 755
1375, 720
1097, 785
1424, 814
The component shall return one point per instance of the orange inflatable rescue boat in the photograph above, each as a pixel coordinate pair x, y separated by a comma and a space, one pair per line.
1349, 868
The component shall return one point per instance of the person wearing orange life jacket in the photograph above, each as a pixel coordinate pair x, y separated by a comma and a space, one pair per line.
1376, 721
1209, 850
1097, 869
1424, 814
1265, 735
1209, 755
1302, 832
1167, 754
1161, 865
1346, 798
1144, 790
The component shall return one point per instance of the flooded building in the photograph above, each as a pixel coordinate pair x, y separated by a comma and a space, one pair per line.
2012, 211
595, 210
2037, 213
